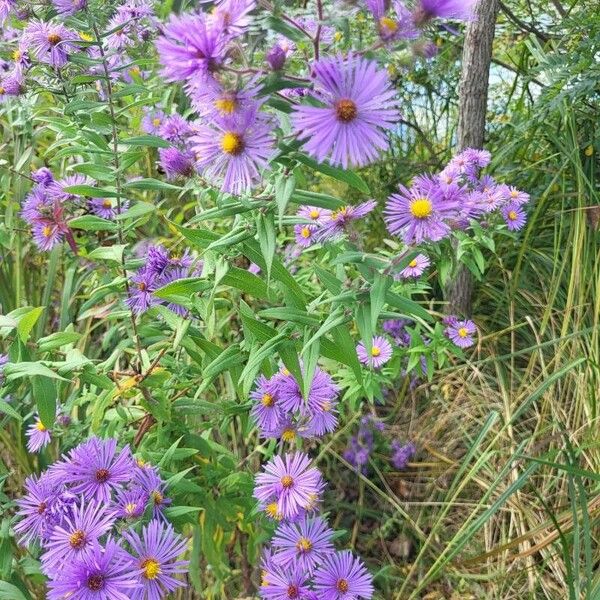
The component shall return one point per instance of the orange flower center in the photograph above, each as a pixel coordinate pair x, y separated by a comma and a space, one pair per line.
232, 143
267, 400
77, 539
342, 586
95, 583
287, 481
102, 475
346, 110
303, 544
151, 568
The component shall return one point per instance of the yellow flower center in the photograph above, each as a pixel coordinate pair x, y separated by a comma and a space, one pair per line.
151, 568
2, 90
512, 215
232, 143
135, 70
140, 462
130, 508
589, 151
40, 426
462, 332
287, 481
285, 372
47, 231
514, 193
267, 400
314, 214
326, 406
346, 110
54, 38
342, 586
305, 232
156, 122
421, 208
413, 263
388, 24
157, 497
86, 37
263, 578
303, 544
312, 502
106, 203
226, 105
375, 351
77, 539
288, 435
272, 511
17, 54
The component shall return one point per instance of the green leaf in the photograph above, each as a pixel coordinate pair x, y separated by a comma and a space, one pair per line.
280, 26
28, 321
91, 191
92, 223
56, 340
316, 199
114, 253
265, 230
8, 591
183, 287
29, 369
348, 177
289, 314
407, 307
284, 188
44, 394
381, 285
138, 209
146, 140
247, 282
150, 184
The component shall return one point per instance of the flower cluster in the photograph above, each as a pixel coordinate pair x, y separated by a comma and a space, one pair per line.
460, 332
302, 561
436, 205
281, 411
49, 207
361, 446
85, 512
160, 268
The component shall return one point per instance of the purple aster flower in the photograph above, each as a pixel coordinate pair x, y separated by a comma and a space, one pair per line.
343, 576
106, 207
69, 7
176, 163
76, 536
288, 430
124, 32
302, 544
468, 162
336, 223
100, 470
379, 353
461, 332
391, 28
265, 411
190, 47
155, 553
418, 213
358, 108
175, 128
426, 10
42, 176
211, 98
130, 504
232, 17
291, 482
310, 25
515, 196
141, 292
416, 267
283, 584
38, 436
402, 454
36, 521
514, 216
57, 190
103, 574
11, 86
6, 7
151, 483
233, 150
51, 43
323, 391
305, 234
396, 328
276, 57
315, 214
152, 121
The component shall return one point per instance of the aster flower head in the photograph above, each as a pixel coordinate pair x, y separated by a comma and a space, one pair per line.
51, 43
343, 576
130, 504
514, 216
232, 17
396, 328
42, 176
377, 355
176, 163
6, 7
415, 268
106, 573
174, 128
11, 85
336, 222
402, 454
418, 214
152, 121
77, 535
514, 195
191, 46
39, 436
107, 208
315, 214
232, 151
151, 483
100, 471
392, 27
265, 410
303, 543
69, 7
461, 333
289, 482
282, 584
141, 292
35, 517
462, 10
305, 234
155, 552
358, 107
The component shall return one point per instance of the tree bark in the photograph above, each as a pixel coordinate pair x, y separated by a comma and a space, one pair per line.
473, 95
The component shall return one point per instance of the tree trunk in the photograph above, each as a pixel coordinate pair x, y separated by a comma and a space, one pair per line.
473, 94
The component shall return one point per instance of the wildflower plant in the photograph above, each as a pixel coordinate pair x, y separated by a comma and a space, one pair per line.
191, 183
